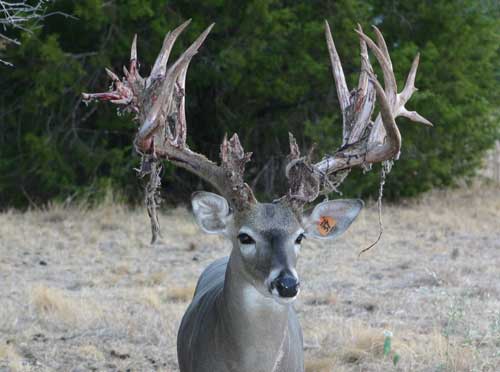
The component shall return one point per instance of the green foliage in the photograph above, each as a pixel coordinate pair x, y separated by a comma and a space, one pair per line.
458, 87
388, 351
263, 71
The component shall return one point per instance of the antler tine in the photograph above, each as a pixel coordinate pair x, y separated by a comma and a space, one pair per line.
366, 67
338, 73
133, 49
112, 75
357, 105
233, 161
133, 73
392, 146
132, 80
407, 92
164, 100
185, 58
386, 65
181, 131
382, 44
409, 88
160, 65
363, 100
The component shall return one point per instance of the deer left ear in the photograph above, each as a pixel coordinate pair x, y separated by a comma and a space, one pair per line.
211, 211
331, 218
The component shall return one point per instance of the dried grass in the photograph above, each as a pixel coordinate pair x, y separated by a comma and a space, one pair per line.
91, 352
322, 299
61, 309
321, 365
432, 281
181, 294
151, 298
10, 359
51, 302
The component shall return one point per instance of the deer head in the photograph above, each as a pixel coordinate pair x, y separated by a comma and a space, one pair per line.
266, 237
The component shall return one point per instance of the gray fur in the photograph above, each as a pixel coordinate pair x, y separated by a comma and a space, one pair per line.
235, 322
219, 333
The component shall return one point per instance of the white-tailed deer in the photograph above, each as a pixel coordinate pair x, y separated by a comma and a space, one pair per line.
241, 317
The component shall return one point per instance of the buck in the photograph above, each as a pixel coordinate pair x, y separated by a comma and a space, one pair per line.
242, 316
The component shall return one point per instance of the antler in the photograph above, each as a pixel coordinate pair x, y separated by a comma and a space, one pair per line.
159, 104
364, 142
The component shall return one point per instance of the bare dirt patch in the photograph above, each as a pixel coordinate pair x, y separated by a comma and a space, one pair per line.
83, 290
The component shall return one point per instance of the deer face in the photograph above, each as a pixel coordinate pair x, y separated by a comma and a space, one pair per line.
267, 237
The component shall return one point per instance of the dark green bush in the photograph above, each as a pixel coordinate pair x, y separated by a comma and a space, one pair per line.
263, 71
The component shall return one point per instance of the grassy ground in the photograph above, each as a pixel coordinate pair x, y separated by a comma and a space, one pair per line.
83, 290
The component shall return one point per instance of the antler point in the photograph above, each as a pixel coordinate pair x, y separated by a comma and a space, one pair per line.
133, 49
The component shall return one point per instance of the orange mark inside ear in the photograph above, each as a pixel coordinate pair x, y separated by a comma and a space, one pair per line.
325, 225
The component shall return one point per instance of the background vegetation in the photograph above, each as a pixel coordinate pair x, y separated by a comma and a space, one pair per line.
263, 71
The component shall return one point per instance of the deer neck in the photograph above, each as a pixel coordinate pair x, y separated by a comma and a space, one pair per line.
254, 327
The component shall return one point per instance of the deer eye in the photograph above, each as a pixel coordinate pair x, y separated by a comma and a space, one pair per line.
245, 239
299, 239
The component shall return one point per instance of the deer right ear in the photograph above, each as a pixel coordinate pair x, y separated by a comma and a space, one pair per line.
331, 218
211, 212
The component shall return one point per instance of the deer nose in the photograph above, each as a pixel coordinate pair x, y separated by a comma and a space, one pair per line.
287, 285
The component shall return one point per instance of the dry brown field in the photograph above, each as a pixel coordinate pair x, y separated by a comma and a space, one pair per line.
82, 290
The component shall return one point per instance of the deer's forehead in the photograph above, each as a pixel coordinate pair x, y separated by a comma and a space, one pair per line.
270, 217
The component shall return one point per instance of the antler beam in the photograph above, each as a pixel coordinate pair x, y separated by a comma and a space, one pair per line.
364, 142
158, 103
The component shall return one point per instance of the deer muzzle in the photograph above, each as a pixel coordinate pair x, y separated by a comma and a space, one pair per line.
286, 285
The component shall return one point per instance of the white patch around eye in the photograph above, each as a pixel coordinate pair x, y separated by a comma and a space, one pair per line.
296, 248
248, 250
